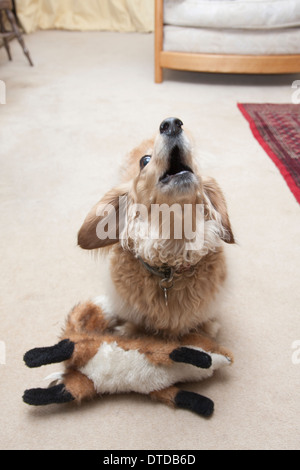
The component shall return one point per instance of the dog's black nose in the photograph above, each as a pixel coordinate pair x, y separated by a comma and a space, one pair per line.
171, 126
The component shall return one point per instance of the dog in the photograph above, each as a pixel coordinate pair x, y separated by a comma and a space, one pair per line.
162, 284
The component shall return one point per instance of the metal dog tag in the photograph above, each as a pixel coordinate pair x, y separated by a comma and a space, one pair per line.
166, 296
166, 284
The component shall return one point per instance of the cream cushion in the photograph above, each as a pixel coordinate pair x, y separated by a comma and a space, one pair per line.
231, 41
245, 14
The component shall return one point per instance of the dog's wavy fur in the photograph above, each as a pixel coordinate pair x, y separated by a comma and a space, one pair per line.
134, 294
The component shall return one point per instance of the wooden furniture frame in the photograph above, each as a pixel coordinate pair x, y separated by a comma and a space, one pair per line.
216, 63
6, 7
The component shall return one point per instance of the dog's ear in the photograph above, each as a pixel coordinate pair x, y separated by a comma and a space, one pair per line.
103, 223
215, 200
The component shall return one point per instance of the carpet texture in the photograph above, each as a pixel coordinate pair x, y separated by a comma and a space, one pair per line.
64, 131
277, 129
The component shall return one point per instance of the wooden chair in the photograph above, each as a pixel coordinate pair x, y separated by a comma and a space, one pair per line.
219, 63
6, 10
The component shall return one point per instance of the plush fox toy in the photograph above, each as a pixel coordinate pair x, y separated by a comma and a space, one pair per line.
100, 360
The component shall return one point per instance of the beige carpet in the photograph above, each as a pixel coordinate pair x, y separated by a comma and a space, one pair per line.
66, 125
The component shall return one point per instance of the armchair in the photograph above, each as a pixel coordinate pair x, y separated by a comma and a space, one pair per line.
245, 37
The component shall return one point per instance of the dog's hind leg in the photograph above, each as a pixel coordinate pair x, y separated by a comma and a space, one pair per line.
173, 396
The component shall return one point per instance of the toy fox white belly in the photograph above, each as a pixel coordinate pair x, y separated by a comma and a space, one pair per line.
114, 370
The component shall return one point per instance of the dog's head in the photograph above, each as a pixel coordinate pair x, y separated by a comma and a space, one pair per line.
161, 178
168, 174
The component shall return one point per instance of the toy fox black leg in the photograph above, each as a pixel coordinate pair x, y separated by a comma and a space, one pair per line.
167, 353
161, 352
84, 320
76, 349
173, 396
47, 396
75, 387
191, 356
49, 355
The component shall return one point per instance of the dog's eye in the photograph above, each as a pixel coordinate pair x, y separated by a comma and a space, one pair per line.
144, 161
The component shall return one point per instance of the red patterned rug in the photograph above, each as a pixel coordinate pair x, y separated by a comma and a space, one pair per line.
277, 129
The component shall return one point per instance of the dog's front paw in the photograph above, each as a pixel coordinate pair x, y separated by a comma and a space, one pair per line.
211, 328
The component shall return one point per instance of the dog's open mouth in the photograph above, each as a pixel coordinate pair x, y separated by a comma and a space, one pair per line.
177, 169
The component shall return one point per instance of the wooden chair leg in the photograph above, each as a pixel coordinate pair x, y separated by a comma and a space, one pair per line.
5, 41
158, 71
12, 20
